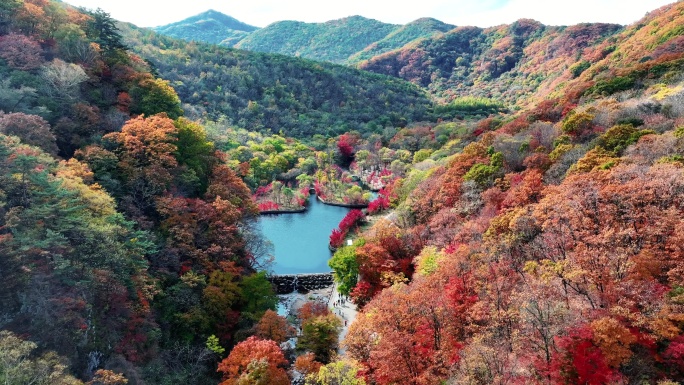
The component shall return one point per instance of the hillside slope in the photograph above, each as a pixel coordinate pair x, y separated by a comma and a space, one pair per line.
264, 92
526, 62
418, 29
510, 62
333, 41
547, 249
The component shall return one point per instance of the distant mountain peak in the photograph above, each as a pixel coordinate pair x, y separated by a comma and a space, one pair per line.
217, 17
210, 26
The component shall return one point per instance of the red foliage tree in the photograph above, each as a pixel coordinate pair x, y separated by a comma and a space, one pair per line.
268, 206
579, 361
345, 144
226, 184
415, 332
337, 238
312, 309
362, 293
306, 364
378, 204
350, 220
202, 233
674, 354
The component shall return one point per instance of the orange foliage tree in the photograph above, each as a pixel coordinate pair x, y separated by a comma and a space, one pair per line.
254, 361
273, 327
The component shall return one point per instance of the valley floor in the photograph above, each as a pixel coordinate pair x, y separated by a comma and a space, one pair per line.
330, 296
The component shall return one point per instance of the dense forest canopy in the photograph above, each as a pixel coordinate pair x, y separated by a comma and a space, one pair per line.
275, 93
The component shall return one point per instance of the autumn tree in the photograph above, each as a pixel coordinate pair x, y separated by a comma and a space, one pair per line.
580, 361
614, 216
31, 129
312, 309
306, 364
202, 234
413, 333
345, 149
273, 327
320, 336
20, 52
153, 96
19, 365
145, 148
614, 340
32, 18
62, 80
107, 377
254, 361
340, 372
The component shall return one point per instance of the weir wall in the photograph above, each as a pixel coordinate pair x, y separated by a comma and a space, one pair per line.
302, 283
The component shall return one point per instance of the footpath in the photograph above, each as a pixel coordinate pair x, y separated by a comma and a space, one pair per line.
346, 310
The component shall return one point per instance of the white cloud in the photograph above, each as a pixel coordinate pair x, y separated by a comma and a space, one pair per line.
148, 13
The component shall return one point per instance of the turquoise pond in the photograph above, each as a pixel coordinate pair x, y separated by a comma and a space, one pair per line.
300, 241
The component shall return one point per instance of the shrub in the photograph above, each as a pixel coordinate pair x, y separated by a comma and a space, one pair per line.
268, 206
351, 219
609, 87
618, 137
337, 238
579, 67
577, 123
378, 204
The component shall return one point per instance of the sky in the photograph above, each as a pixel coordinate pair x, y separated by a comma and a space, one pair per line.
481, 13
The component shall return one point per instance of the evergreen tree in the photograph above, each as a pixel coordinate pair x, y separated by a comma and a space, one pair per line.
104, 32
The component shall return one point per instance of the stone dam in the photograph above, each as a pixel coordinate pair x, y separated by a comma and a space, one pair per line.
302, 283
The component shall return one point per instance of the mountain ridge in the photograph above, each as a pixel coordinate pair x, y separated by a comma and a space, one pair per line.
346, 40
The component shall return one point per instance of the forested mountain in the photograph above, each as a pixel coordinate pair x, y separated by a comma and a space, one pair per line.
516, 63
525, 62
209, 27
343, 41
527, 230
278, 93
520, 63
333, 41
